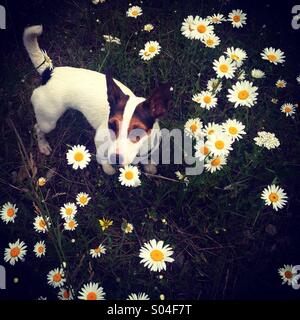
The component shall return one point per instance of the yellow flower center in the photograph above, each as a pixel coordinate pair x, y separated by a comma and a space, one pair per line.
243, 95
83, 199
152, 49
69, 211
287, 109
10, 212
204, 150
272, 57
194, 127
224, 68
66, 294
219, 144
91, 296
157, 255
78, 156
236, 18
288, 274
14, 252
134, 12
71, 224
210, 42
40, 249
97, 250
211, 131
235, 57
57, 277
41, 182
129, 175
232, 130
201, 28
42, 224
215, 162
207, 99
273, 197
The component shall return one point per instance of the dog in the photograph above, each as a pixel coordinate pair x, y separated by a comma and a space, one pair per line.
110, 107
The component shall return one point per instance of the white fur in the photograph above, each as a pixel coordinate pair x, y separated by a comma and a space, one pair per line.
82, 90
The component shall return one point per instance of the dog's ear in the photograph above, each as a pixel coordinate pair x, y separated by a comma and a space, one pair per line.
160, 100
114, 94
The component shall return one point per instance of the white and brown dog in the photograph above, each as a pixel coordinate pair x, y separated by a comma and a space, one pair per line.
107, 104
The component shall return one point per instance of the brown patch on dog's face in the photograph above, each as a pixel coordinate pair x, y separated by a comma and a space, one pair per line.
117, 101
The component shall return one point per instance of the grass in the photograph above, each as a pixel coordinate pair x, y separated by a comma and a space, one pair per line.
216, 224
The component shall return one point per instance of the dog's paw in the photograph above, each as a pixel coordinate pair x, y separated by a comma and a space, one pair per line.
150, 168
44, 147
108, 169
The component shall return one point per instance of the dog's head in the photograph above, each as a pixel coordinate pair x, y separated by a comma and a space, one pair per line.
131, 120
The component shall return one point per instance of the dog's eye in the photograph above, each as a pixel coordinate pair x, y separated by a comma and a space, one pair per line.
136, 135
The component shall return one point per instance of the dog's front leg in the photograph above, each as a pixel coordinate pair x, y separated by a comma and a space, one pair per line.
150, 168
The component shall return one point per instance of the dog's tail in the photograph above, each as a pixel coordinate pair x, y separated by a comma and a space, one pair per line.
39, 58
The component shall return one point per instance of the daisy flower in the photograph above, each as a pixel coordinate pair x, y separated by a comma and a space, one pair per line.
267, 140
216, 18
134, 12
111, 39
214, 85
187, 27
212, 128
182, 177
202, 150
129, 176
65, 294
56, 278
273, 100
78, 157
154, 255
224, 67
152, 47
211, 40
41, 181
70, 224
146, 55
237, 55
14, 252
280, 83
139, 296
206, 99
193, 128
40, 225
39, 249
68, 211
105, 223
148, 27
8, 212
243, 93
213, 164
237, 18
96, 253
288, 109
234, 128
257, 73
202, 28
127, 227
273, 55
82, 199
91, 291
275, 196
219, 144
287, 274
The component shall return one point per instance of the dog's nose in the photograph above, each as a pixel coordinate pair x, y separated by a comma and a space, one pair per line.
116, 159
